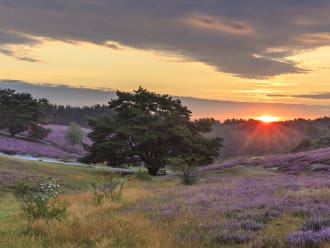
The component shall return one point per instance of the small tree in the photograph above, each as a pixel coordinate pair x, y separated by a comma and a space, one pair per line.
74, 134
38, 132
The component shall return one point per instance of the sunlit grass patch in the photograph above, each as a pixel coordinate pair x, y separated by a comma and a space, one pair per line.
88, 225
74, 176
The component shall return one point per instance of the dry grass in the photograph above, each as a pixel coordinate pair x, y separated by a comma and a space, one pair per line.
89, 225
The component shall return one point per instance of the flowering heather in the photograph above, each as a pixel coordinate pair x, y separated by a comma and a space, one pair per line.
294, 163
308, 238
240, 206
8, 144
57, 138
55, 145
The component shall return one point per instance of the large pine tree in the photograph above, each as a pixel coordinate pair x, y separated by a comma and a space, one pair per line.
149, 129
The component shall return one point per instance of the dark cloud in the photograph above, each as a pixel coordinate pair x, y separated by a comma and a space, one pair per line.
246, 38
316, 96
61, 94
8, 38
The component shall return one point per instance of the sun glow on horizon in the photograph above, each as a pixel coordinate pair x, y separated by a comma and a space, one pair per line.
267, 118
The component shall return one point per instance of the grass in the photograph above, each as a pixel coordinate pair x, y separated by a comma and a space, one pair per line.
74, 177
137, 219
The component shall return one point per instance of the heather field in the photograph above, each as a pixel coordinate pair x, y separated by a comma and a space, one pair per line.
53, 146
255, 202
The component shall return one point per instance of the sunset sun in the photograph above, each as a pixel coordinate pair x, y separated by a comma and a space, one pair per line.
267, 118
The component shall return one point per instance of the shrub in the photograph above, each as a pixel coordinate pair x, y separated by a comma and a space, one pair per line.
110, 187
143, 175
74, 134
187, 172
40, 200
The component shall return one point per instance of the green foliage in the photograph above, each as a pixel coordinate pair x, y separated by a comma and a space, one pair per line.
149, 128
38, 132
109, 187
187, 172
143, 175
40, 200
74, 134
20, 111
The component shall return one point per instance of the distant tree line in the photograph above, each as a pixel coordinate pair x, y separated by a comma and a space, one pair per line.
64, 115
281, 137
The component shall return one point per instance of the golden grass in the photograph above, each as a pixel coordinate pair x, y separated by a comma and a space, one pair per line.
89, 225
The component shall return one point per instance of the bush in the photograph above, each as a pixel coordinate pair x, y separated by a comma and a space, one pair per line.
40, 200
143, 175
189, 175
110, 187
74, 134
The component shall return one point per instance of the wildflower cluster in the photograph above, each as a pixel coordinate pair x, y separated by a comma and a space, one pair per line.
40, 200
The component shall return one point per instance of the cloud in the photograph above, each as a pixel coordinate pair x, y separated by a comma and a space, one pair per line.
12, 53
9, 38
225, 34
61, 94
315, 96
218, 24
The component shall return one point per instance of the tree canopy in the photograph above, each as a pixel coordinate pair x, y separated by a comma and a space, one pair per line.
20, 112
149, 129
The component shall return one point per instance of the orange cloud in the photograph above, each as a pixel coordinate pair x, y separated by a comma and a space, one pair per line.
315, 39
220, 24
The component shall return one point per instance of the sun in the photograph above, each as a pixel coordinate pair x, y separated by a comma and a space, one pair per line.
267, 118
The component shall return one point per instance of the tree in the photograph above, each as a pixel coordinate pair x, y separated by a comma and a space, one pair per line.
149, 129
38, 131
20, 111
74, 134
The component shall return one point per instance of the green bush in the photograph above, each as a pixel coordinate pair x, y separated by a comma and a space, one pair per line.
40, 200
187, 172
143, 175
74, 134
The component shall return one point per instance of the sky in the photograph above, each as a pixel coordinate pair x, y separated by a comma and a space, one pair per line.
256, 51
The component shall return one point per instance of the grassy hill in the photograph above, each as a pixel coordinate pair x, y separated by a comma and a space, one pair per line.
238, 205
